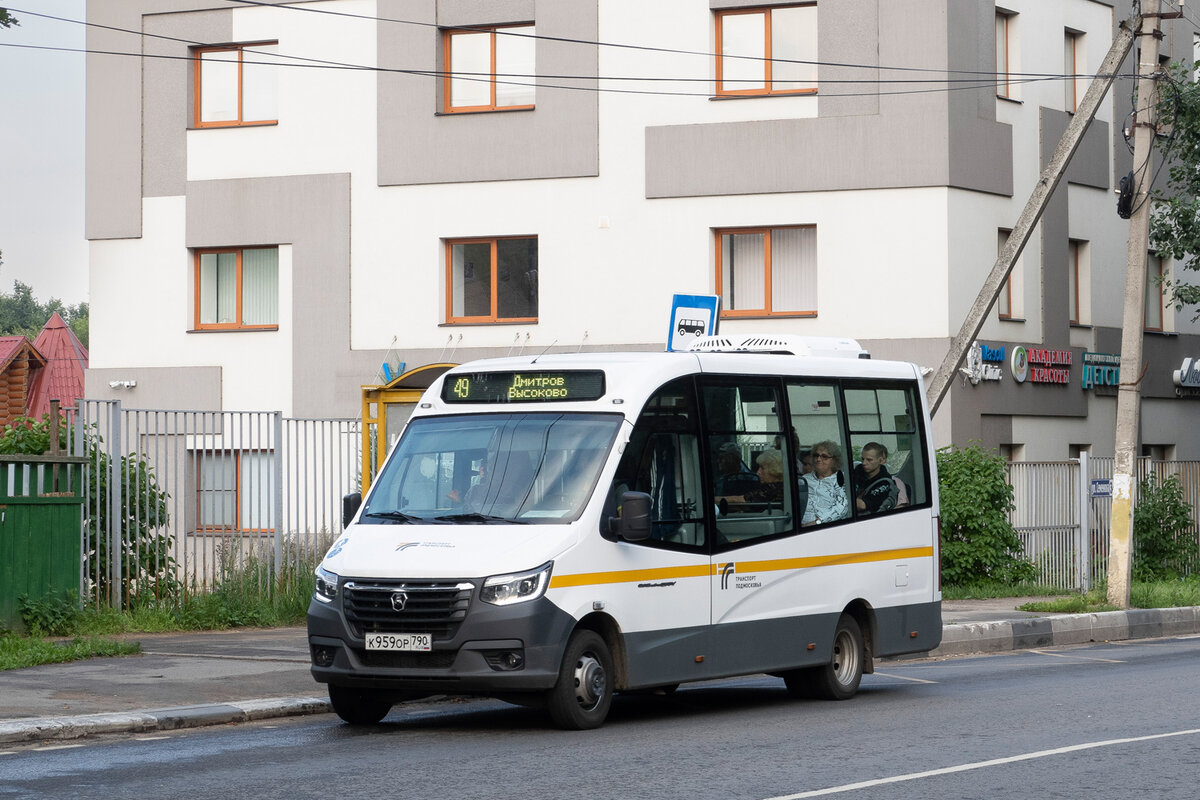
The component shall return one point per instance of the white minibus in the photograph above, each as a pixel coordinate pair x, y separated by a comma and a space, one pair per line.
553, 529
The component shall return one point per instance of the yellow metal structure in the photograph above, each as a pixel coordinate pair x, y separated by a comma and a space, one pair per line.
386, 408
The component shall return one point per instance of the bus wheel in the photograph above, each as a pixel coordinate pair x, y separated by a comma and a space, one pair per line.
839, 678
583, 694
358, 706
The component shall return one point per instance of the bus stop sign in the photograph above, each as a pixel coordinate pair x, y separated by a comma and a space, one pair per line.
692, 316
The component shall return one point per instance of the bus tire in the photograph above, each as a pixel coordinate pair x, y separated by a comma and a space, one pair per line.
839, 678
358, 706
583, 694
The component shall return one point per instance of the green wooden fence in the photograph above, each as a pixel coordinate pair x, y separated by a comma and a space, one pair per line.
41, 523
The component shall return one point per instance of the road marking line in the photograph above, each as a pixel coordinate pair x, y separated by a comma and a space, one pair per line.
903, 677
58, 747
1077, 658
150, 738
995, 762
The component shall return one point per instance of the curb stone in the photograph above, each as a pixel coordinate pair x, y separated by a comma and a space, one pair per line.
162, 719
1101, 626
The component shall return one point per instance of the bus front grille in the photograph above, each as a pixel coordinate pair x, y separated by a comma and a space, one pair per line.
405, 606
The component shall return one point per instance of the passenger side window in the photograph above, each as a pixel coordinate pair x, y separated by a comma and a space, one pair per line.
662, 459
889, 472
753, 462
816, 417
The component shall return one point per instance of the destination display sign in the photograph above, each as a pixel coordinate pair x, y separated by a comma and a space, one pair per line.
523, 387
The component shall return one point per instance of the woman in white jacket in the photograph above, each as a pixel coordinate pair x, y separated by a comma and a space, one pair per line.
827, 499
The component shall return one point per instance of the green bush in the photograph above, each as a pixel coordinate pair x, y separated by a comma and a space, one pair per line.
1164, 540
52, 615
978, 542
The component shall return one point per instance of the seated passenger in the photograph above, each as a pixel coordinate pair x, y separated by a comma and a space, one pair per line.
876, 489
827, 500
770, 481
732, 475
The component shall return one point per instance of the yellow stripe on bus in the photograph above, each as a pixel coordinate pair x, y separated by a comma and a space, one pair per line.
703, 570
833, 559
625, 576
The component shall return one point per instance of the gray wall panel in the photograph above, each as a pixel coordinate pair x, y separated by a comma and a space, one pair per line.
113, 184
792, 155
1089, 167
168, 92
192, 388
1090, 164
484, 12
904, 136
312, 213
118, 115
419, 144
980, 149
848, 34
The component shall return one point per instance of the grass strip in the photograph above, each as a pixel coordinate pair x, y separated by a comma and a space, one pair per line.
18, 652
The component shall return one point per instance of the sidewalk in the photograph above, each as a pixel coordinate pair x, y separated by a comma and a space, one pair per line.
219, 677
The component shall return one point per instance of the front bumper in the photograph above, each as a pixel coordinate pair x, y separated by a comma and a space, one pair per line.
471, 661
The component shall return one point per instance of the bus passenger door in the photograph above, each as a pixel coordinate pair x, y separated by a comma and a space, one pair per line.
756, 593
662, 601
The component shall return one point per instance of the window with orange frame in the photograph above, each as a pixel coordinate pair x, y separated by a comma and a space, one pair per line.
235, 85
492, 279
489, 68
237, 289
235, 491
767, 272
767, 51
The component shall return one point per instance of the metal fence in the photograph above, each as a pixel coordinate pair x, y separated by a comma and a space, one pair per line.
1053, 496
181, 501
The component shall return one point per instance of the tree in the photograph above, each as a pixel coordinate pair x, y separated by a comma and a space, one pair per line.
1175, 222
21, 314
6, 19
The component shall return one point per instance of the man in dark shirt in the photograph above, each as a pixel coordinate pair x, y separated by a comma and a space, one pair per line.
875, 489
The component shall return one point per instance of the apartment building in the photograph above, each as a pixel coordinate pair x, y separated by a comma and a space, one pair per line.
283, 196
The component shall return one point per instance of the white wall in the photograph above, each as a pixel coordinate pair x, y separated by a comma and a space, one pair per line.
128, 327
326, 116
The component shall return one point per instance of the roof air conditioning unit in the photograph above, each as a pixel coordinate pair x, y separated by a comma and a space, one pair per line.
786, 344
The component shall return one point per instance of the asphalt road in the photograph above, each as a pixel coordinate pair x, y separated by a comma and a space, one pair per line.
1110, 720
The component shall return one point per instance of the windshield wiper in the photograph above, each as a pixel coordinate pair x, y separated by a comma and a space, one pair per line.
475, 516
398, 516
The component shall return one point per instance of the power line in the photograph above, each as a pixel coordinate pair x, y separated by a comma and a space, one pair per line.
981, 84
538, 81
977, 74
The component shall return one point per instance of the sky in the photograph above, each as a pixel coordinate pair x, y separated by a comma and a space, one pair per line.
41, 153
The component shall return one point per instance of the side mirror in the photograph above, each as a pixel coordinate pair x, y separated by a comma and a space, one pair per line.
634, 523
350, 504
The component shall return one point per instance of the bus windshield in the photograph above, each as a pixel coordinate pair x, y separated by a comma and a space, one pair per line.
487, 468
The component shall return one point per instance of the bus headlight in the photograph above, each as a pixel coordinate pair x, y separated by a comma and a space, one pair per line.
327, 585
504, 590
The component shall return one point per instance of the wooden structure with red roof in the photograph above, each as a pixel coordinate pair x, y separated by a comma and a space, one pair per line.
21, 366
61, 378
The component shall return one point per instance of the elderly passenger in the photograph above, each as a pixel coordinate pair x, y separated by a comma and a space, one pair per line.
827, 500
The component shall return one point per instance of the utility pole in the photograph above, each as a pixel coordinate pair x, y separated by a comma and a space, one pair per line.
1129, 394
939, 385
